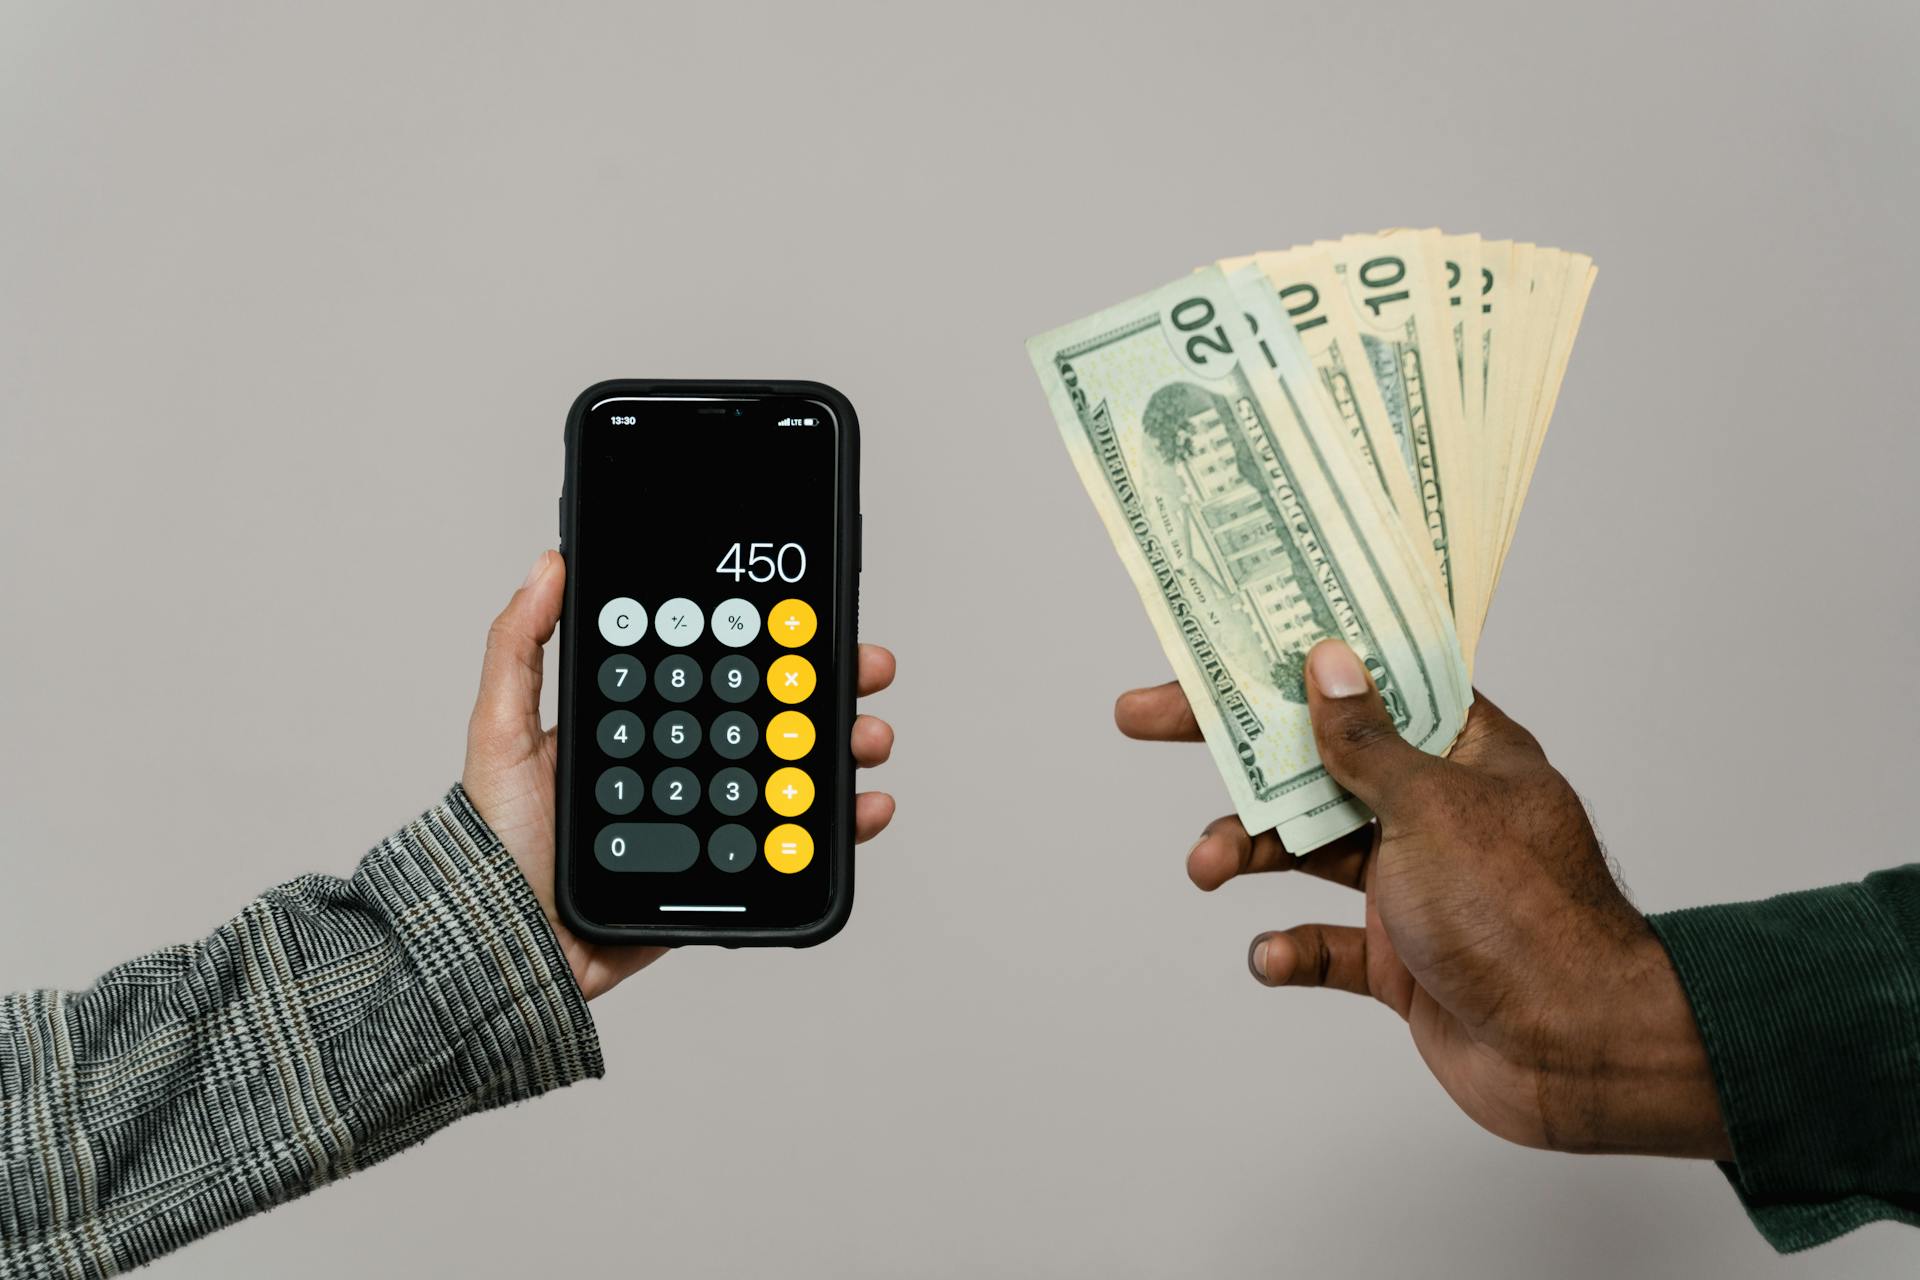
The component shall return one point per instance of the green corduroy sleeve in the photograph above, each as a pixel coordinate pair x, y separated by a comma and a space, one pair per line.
1809, 1004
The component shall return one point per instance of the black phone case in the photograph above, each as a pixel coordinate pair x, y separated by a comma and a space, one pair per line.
847, 602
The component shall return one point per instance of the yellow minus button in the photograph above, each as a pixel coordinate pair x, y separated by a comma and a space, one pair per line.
790, 735
789, 848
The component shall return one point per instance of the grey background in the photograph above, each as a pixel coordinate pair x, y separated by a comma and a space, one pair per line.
293, 299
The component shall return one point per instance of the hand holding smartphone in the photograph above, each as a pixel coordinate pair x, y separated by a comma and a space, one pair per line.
705, 787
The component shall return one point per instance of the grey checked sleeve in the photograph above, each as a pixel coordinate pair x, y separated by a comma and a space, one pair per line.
327, 1026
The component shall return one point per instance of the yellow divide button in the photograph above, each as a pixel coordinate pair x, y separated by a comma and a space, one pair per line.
789, 848
791, 623
790, 735
789, 792
790, 678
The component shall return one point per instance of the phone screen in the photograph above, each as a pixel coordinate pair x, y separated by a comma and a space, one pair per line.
706, 749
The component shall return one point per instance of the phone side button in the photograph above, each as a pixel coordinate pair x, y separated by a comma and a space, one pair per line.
646, 846
860, 543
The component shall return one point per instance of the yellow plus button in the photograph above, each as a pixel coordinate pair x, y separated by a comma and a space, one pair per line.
792, 623
789, 792
790, 678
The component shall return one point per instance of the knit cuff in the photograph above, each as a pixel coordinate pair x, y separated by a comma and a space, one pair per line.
499, 985
1809, 1005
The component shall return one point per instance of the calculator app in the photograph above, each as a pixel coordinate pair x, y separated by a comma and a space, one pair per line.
707, 749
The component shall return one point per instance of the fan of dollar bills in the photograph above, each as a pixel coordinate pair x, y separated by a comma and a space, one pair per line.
1330, 441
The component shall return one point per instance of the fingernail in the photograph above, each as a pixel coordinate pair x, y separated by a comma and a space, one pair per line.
1257, 960
534, 574
1336, 670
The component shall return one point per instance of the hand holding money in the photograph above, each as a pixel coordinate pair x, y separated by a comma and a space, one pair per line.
1538, 996
1330, 442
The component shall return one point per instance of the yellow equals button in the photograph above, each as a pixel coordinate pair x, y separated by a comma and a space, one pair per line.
789, 848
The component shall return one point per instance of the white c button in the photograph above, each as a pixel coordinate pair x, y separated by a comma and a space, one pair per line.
622, 621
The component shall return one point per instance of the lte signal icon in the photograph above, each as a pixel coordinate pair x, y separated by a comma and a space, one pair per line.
798, 422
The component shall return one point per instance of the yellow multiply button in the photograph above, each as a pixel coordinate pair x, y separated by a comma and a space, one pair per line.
792, 623
789, 848
790, 735
789, 792
790, 678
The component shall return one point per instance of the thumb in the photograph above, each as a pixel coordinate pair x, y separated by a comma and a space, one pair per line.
506, 716
1357, 739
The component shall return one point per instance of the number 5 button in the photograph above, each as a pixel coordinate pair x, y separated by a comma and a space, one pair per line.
792, 623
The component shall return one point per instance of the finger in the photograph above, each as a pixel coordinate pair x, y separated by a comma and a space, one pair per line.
872, 741
1357, 739
876, 669
1225, 850
872, 811
1312, 955
1159, 714
508, 708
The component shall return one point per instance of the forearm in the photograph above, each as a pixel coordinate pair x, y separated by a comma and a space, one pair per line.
1809, 1006
329, 1025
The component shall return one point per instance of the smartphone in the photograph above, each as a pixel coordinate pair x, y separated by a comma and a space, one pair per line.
712, 537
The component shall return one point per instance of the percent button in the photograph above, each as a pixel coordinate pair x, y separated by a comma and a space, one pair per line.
735, 622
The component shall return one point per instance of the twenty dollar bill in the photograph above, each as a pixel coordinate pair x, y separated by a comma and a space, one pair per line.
1234, 496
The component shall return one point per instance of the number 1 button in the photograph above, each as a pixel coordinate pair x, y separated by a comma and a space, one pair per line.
791, 623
